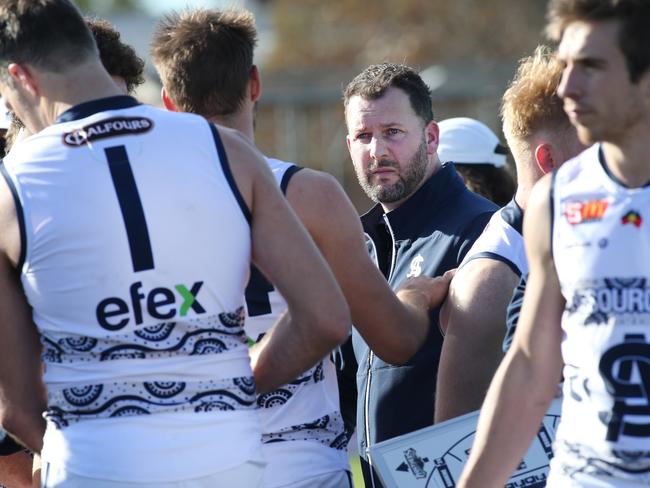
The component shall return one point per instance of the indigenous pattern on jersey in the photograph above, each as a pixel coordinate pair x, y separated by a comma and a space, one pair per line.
601, 250
194, 337
303, 431
136, 252
502, 240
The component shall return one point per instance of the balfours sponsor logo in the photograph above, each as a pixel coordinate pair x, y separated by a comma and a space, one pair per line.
103, 129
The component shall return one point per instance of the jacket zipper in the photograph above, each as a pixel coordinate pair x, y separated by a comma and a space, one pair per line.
371, 356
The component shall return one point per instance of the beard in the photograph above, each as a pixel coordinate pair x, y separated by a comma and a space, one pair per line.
410, 177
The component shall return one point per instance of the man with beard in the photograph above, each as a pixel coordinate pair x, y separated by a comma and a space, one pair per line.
586, 311
424, 222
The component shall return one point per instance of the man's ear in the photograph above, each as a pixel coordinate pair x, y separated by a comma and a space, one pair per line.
167, 102
432, 134
22, 76
544, 157
255, 83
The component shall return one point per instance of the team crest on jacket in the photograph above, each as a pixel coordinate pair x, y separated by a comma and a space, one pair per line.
416, 266
580, 212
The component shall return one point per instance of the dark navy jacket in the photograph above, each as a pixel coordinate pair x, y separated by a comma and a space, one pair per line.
429, 233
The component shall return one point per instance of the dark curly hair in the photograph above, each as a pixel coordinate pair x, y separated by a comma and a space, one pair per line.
495, 184
118, 58
376, 79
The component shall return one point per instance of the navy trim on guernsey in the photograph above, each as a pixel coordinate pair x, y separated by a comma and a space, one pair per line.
497, 257
19, 215
512, 315
551, 195
131, 207
350, 479
87, 109
258, 288
8, 446
514, 216
603, 163
286, 177
228, 174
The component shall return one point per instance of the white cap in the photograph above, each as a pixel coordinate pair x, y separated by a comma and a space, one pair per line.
468, 141
5, 119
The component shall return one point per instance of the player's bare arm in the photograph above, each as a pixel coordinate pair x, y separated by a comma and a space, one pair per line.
525, 382
394, 330
318, 318
475, 312
15, 470
22, 394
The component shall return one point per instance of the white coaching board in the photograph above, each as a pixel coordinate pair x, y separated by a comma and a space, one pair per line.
434, 457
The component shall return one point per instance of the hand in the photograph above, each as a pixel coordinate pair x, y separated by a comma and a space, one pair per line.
426, 291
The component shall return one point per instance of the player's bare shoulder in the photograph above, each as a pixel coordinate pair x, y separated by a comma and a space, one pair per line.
320, 201
9, 225
247, 164
309, 185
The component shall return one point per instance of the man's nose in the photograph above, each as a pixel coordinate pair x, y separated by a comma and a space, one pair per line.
569, 86
378, 149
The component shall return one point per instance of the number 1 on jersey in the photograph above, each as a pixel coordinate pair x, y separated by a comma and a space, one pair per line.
131, 207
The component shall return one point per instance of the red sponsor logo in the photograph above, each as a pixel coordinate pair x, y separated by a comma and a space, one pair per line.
581, 212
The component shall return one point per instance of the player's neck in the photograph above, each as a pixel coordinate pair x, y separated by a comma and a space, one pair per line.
241, 121
629, 159
85, 83
528, 173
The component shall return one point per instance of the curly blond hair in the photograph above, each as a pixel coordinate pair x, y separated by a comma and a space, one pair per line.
530, 103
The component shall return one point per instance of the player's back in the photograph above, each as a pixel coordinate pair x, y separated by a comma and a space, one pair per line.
303, 432
136, 253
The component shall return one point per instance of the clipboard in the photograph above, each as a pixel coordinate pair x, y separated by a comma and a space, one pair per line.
434, 457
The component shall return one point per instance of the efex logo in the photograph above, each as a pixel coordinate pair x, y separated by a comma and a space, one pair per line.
114, 313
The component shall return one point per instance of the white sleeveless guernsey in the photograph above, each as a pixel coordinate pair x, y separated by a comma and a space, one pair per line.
502, 240
136, 255
303, 432
601, 250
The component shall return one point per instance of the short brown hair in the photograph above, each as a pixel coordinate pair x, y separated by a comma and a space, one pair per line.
118, 58
50, 34
204, 58
633, 33
531, 103
376, 79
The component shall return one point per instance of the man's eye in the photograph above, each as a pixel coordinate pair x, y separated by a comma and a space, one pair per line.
364, 136
392, 131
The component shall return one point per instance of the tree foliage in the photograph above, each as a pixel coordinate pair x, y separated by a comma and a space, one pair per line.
343, 32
